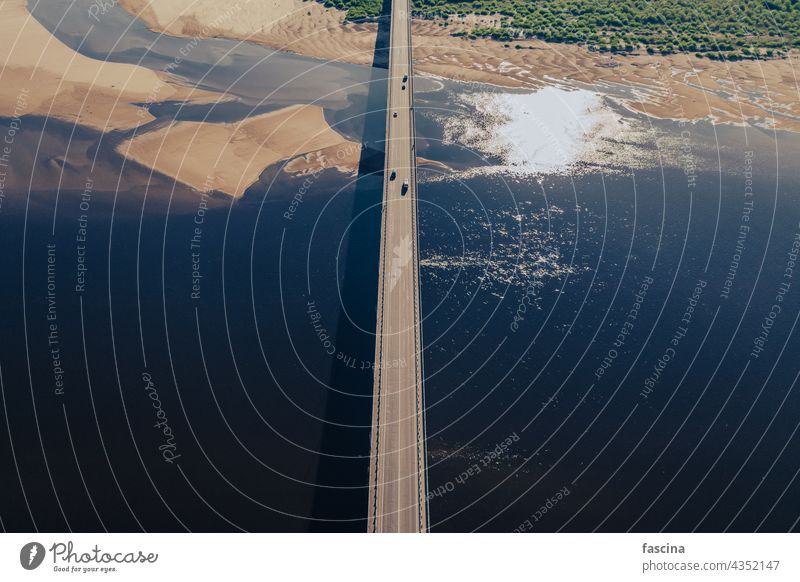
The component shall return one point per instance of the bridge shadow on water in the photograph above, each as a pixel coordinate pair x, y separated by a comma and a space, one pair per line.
340, 503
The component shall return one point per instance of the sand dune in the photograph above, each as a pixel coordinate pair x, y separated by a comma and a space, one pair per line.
42, 76
237, 19
229, 157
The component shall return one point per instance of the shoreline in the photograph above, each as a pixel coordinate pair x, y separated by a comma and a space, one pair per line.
106, 96
660, 85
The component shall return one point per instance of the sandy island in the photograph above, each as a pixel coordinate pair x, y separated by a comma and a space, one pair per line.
42, 76
229, 157
53, 80
674, 87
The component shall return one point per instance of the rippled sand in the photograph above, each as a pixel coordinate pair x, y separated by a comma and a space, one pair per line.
674, 87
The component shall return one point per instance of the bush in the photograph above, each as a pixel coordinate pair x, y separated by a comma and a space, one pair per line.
701, 26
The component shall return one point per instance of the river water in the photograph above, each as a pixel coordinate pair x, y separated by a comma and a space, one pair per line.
609, 313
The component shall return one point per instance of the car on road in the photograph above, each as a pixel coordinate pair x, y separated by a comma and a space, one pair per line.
405, 78
404, 188
394, 114
403, 87
393, 175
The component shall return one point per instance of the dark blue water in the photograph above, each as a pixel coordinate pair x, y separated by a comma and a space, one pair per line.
596, 354
620, 376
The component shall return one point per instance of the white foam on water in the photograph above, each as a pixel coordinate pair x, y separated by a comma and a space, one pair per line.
550, 131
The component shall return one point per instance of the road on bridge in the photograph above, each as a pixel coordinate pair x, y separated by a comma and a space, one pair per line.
398, 485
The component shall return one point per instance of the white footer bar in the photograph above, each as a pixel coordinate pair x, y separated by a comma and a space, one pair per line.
353, 558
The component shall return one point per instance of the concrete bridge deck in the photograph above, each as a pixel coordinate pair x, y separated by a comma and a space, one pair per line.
398, 486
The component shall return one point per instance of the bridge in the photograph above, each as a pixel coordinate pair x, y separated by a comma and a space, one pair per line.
398, 465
